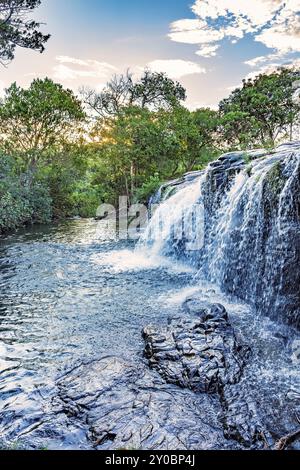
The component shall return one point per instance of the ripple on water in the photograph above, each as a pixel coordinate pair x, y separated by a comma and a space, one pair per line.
67, 294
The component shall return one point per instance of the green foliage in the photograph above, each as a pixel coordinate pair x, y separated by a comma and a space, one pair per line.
148, 188
249, 170
35, 120
23, 198
16, 30
140, 143
156, 91
62, 165
262, 111
275, 179
153, 91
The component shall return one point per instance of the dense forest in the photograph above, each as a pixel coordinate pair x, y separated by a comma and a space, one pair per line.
63, 154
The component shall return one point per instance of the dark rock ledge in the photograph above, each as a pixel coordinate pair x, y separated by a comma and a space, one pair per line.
203, 354
194, 396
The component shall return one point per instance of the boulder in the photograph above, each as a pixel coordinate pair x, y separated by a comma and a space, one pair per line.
202, 353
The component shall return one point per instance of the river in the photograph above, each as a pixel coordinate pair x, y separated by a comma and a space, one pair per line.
67, 293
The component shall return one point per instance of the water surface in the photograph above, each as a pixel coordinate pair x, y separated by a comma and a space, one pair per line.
67, 294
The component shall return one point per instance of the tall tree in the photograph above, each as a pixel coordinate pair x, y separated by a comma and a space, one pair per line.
139, 144
17, 30
36, 119
262, 111
153, 91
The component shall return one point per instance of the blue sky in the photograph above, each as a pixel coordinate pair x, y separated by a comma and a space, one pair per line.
208, 45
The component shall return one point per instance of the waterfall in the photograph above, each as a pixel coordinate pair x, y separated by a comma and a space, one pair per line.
239, 224
177, 224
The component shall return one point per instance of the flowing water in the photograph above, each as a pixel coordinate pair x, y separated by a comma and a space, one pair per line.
68, 293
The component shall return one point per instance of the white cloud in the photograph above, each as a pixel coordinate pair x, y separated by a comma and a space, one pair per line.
63, 59
176, 68
83, 69
208, 50
274, 23
271, 68
257, 61
257, 12
284, 37
194, 32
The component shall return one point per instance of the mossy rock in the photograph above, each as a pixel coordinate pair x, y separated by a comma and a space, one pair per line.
275, 180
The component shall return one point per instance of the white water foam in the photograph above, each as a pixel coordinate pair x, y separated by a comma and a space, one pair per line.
129, 260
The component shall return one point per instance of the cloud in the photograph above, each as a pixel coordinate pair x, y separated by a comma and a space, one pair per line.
208, 50
255, 12
274, 23
176, 68
194, 32
83, 69
271, 68
70, 60
284, 34
257, 61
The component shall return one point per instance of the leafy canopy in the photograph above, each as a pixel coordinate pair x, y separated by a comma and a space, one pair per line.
38, 118
262, 111
153, 91
17, 30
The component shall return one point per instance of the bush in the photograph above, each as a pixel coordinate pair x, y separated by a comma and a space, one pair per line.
143, 194
23, 199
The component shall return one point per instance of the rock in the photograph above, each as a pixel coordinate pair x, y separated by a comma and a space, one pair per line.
111, 404
124, 406
240, 417
203, 354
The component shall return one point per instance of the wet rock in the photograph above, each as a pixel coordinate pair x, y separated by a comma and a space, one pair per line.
127, 407
240, 417
203, 354
112, 404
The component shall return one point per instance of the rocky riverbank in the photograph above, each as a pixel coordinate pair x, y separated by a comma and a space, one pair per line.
192, 391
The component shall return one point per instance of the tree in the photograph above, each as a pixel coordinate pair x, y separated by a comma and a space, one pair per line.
35, 120
153, 91
139, 148
16, 30
262, 111
129, 145
196, 135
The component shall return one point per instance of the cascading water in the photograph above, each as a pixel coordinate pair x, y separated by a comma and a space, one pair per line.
177, 223
249, 226
65, 300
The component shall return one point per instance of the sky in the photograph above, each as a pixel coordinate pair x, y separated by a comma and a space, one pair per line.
210, 46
